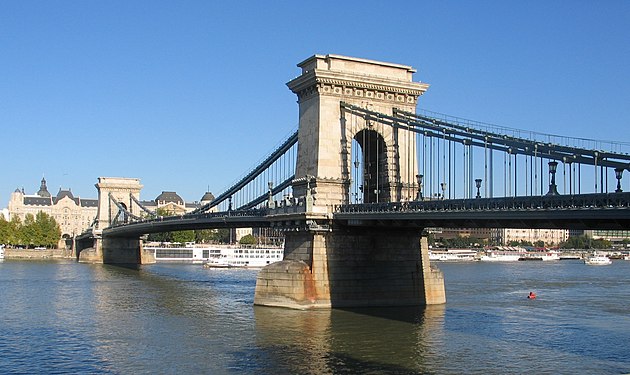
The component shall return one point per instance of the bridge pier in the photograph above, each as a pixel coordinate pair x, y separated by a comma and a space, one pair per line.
115, 250
351, 267
125, 250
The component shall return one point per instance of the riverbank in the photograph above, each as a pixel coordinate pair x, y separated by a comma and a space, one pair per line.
26, 254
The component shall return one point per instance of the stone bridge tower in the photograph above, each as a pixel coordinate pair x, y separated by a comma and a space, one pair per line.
95, 248
329, 263
121, 189
326, 132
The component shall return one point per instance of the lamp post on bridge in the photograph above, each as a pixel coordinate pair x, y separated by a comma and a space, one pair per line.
478, 186
229, 213
553, 189
270, 199
419, 196
618, 175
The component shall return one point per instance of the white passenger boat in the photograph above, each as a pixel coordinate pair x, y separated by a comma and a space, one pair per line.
244, 257
597, 260
453, 255
570, 257
219, 256
544, 255
504, 254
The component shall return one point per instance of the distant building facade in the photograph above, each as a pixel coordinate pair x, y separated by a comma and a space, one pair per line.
503, 236
73, 214
484, 234
171, 202
549, 236
615, 236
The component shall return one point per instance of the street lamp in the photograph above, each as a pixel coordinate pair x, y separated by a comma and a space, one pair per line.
270, 199
478, 185
618, 175
419, 197
553, 189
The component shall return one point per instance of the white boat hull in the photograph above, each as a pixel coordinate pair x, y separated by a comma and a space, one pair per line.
452, 255
218, 256
500, 258
597, 261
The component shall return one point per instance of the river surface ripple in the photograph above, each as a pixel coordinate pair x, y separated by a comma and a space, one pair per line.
65, 317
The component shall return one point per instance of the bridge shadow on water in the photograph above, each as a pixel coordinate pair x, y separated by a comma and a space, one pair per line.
357, 340
125, 266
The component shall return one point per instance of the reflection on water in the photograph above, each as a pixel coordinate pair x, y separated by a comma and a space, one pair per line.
371, 339
65, 317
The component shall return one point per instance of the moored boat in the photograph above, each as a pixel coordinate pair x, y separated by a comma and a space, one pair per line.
504, 254
219, 256
597, 260
542, 254
566, 256
453, 255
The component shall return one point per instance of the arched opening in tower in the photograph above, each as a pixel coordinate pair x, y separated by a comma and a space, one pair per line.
369, 168
122, 215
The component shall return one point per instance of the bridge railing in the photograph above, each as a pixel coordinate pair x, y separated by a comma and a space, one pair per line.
455, 157
254, 212
546, 202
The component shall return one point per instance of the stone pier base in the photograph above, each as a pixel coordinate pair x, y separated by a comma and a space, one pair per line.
116, 250
351, 268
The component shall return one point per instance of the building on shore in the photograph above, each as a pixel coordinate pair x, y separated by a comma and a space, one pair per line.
450, 233
73, 214
503, 236
171, 202
549, 237
618, 238
4, 213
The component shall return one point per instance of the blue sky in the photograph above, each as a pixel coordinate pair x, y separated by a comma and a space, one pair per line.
190, 95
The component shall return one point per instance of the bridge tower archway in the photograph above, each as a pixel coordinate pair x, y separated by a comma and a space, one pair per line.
369, 180
326, 131
328, 264
122, 216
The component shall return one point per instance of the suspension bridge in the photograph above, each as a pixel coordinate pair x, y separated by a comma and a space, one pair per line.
354, 187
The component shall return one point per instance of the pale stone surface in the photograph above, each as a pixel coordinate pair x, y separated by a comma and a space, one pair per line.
120, 188
434, 292
90, 255
324, 135
362, 267
352, 266
116, 250
37, 254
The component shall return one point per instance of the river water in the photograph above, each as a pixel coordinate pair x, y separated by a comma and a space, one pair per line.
65, 317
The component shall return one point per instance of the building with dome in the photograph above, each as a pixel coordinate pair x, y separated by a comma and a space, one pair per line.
171, 202
75, 214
